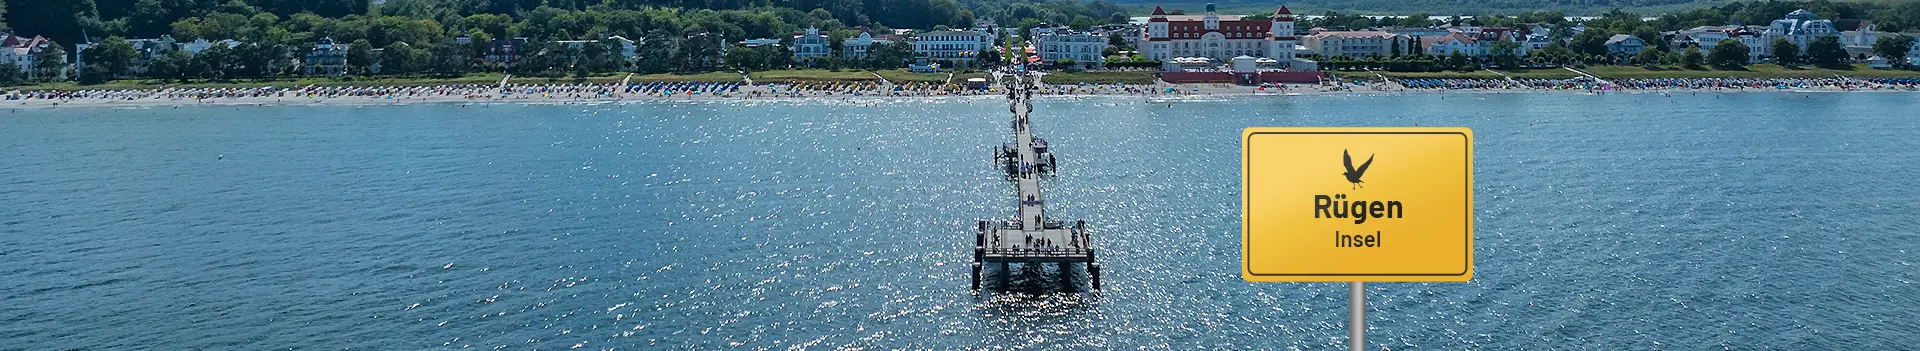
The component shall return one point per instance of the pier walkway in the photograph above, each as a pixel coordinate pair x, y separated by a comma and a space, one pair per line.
1032, 236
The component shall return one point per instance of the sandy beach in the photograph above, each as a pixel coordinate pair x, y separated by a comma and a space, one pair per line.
690, 91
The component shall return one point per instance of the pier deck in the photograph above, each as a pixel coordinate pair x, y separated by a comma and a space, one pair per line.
1031, 237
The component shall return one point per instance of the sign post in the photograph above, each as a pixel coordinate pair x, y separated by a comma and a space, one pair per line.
1357, 316
1356, 205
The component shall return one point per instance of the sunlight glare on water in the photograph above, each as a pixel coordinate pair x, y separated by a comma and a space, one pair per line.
1622, 221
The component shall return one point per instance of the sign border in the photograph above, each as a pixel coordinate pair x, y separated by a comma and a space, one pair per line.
1246, 239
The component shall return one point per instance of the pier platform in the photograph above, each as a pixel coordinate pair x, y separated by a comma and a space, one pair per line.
1031, 236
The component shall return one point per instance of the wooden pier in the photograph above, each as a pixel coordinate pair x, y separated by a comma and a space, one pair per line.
1032, 236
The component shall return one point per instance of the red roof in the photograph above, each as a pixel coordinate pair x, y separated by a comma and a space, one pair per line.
1431, 41
1159, 12
1283, 11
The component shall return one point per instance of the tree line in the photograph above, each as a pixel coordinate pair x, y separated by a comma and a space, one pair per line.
418, 36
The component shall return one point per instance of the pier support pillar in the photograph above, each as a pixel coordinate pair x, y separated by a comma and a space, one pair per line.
1093, 269
976, 277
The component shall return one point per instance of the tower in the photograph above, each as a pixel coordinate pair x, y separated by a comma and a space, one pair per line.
1280, 40
1212, 19
1155, 45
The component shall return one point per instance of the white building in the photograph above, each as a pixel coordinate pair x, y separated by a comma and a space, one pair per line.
1800, 27
327, 58
1860, 42
810, 44
857, 47
1538, 37
759, 42
1625, 44
198, 45
1709, 37
1357, 44
961, 46
1452, 43
1054, 44
26, 52
1218, 37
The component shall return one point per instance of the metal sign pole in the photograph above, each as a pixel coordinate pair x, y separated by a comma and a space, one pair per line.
1357, 316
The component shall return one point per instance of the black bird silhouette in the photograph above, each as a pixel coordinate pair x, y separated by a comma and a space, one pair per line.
1353, 174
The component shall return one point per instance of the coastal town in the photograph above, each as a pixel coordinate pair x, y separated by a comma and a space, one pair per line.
1166, 52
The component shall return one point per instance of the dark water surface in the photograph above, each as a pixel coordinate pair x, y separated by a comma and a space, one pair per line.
1750, 220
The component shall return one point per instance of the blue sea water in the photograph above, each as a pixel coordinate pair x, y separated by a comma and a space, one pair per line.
1622, 221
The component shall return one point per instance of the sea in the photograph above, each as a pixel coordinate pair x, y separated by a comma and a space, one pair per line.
1776, 220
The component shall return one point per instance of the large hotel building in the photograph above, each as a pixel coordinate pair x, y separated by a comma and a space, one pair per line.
1218, 37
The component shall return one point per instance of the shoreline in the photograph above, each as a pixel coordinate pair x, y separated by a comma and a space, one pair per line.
158, 98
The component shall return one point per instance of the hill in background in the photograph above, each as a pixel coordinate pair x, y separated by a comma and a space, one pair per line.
1436, 7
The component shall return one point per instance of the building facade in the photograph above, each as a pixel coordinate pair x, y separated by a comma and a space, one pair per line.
327, 58
1709, 37
1085, 48
1799, 27
503, 51
810, 44
1625, 44
858, 46
959, 46
1357, 44
1217, 37
1452, 43
27, 53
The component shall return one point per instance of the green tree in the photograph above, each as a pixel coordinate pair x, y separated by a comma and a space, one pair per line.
170, 66
51, 64
1457, 60
656, 54
1416, 19
1591, 42
214, 64
360, 57
477, 48
889, 55
744, 58
1692, 58
1651, 37
987, 58
60, 19
451, 59
1785, 52
600, 56
1114, 40
110, 57
400, 59
258, 59
1728, 54
1826, 52
1894, 48
1506, 53
11, 75
697, 53
1649, 57
543, 58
